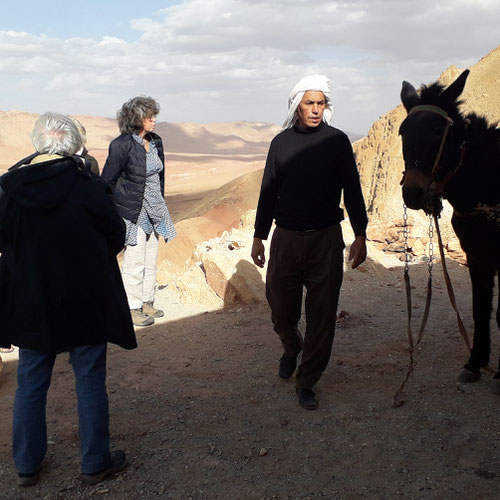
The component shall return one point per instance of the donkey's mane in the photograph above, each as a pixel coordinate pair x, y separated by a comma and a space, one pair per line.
481, 124
433, 95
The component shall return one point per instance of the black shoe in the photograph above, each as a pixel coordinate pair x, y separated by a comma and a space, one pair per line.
307, 398
287, 366
118, 463
27, 479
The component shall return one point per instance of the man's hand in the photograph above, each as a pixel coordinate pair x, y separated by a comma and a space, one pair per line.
258, 256
358, 251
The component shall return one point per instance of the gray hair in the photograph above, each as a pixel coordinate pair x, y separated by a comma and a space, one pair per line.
132, 114
56, 134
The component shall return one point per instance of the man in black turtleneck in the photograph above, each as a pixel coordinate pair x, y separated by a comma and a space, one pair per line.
308, 166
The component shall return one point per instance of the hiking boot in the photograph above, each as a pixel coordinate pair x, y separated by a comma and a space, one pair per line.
27, 479
149, 310
141, 319
307, 398
118, 463
287, 366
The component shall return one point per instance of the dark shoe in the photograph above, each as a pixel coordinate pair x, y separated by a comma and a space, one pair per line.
118, 463
468, 377
307, 398
141, 319
149, 310
287, 366
27, 479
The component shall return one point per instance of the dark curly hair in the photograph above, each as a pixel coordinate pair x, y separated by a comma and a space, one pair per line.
131, 115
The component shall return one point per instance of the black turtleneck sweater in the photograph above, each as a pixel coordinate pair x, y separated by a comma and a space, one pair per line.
306, 171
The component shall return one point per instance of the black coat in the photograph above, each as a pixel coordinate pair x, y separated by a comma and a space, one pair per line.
125, 170
60, 284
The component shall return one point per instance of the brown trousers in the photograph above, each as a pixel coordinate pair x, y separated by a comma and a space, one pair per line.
314, 260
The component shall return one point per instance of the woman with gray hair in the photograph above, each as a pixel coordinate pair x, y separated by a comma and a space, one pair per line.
135, 169
55, 298
56, 134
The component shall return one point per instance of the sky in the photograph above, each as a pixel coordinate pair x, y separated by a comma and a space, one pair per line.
231, 60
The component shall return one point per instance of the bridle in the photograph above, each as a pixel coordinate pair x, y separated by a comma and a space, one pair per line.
449, 123
437, 187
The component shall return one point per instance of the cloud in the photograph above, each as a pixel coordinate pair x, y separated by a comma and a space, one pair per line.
212, 60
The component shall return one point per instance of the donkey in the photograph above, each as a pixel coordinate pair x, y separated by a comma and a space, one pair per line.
455, 157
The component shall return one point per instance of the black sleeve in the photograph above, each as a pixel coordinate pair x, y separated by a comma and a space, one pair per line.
94, 164
116, 162
353, 195
268, 196
106, 217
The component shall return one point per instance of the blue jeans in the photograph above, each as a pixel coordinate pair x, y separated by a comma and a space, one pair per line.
34, 373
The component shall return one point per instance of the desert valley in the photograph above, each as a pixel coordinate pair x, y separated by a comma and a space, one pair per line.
199, 407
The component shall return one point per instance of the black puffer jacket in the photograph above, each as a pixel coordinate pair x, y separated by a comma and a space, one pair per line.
125, 170
60, 284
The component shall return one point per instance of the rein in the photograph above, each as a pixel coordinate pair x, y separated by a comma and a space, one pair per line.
397, 400
449, 287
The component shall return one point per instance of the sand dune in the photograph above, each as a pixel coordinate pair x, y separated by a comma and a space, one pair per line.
200, 158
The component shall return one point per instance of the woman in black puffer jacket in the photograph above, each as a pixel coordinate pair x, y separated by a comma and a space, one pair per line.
135, 169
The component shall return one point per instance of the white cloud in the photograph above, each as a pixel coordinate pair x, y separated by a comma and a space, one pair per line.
109, 40
210, 60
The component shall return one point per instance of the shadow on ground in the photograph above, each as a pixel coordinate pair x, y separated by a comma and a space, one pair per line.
202, 414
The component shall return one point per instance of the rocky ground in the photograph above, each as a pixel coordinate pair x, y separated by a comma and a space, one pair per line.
201, 412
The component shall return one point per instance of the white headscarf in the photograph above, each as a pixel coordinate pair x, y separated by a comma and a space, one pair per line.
311, 82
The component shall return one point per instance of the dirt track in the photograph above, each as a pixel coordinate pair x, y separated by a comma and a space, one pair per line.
201, 412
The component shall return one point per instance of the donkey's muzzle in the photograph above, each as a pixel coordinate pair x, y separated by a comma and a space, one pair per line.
415, 189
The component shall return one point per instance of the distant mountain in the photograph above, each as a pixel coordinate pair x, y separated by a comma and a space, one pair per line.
221, 138
245, 140
217, 138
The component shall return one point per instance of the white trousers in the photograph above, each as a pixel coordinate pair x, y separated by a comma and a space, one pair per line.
139, 269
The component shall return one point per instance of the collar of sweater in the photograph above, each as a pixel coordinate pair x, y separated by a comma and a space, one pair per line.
308, 130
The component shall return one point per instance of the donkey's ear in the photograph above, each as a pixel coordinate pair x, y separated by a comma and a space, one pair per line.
457, 87
409, 96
